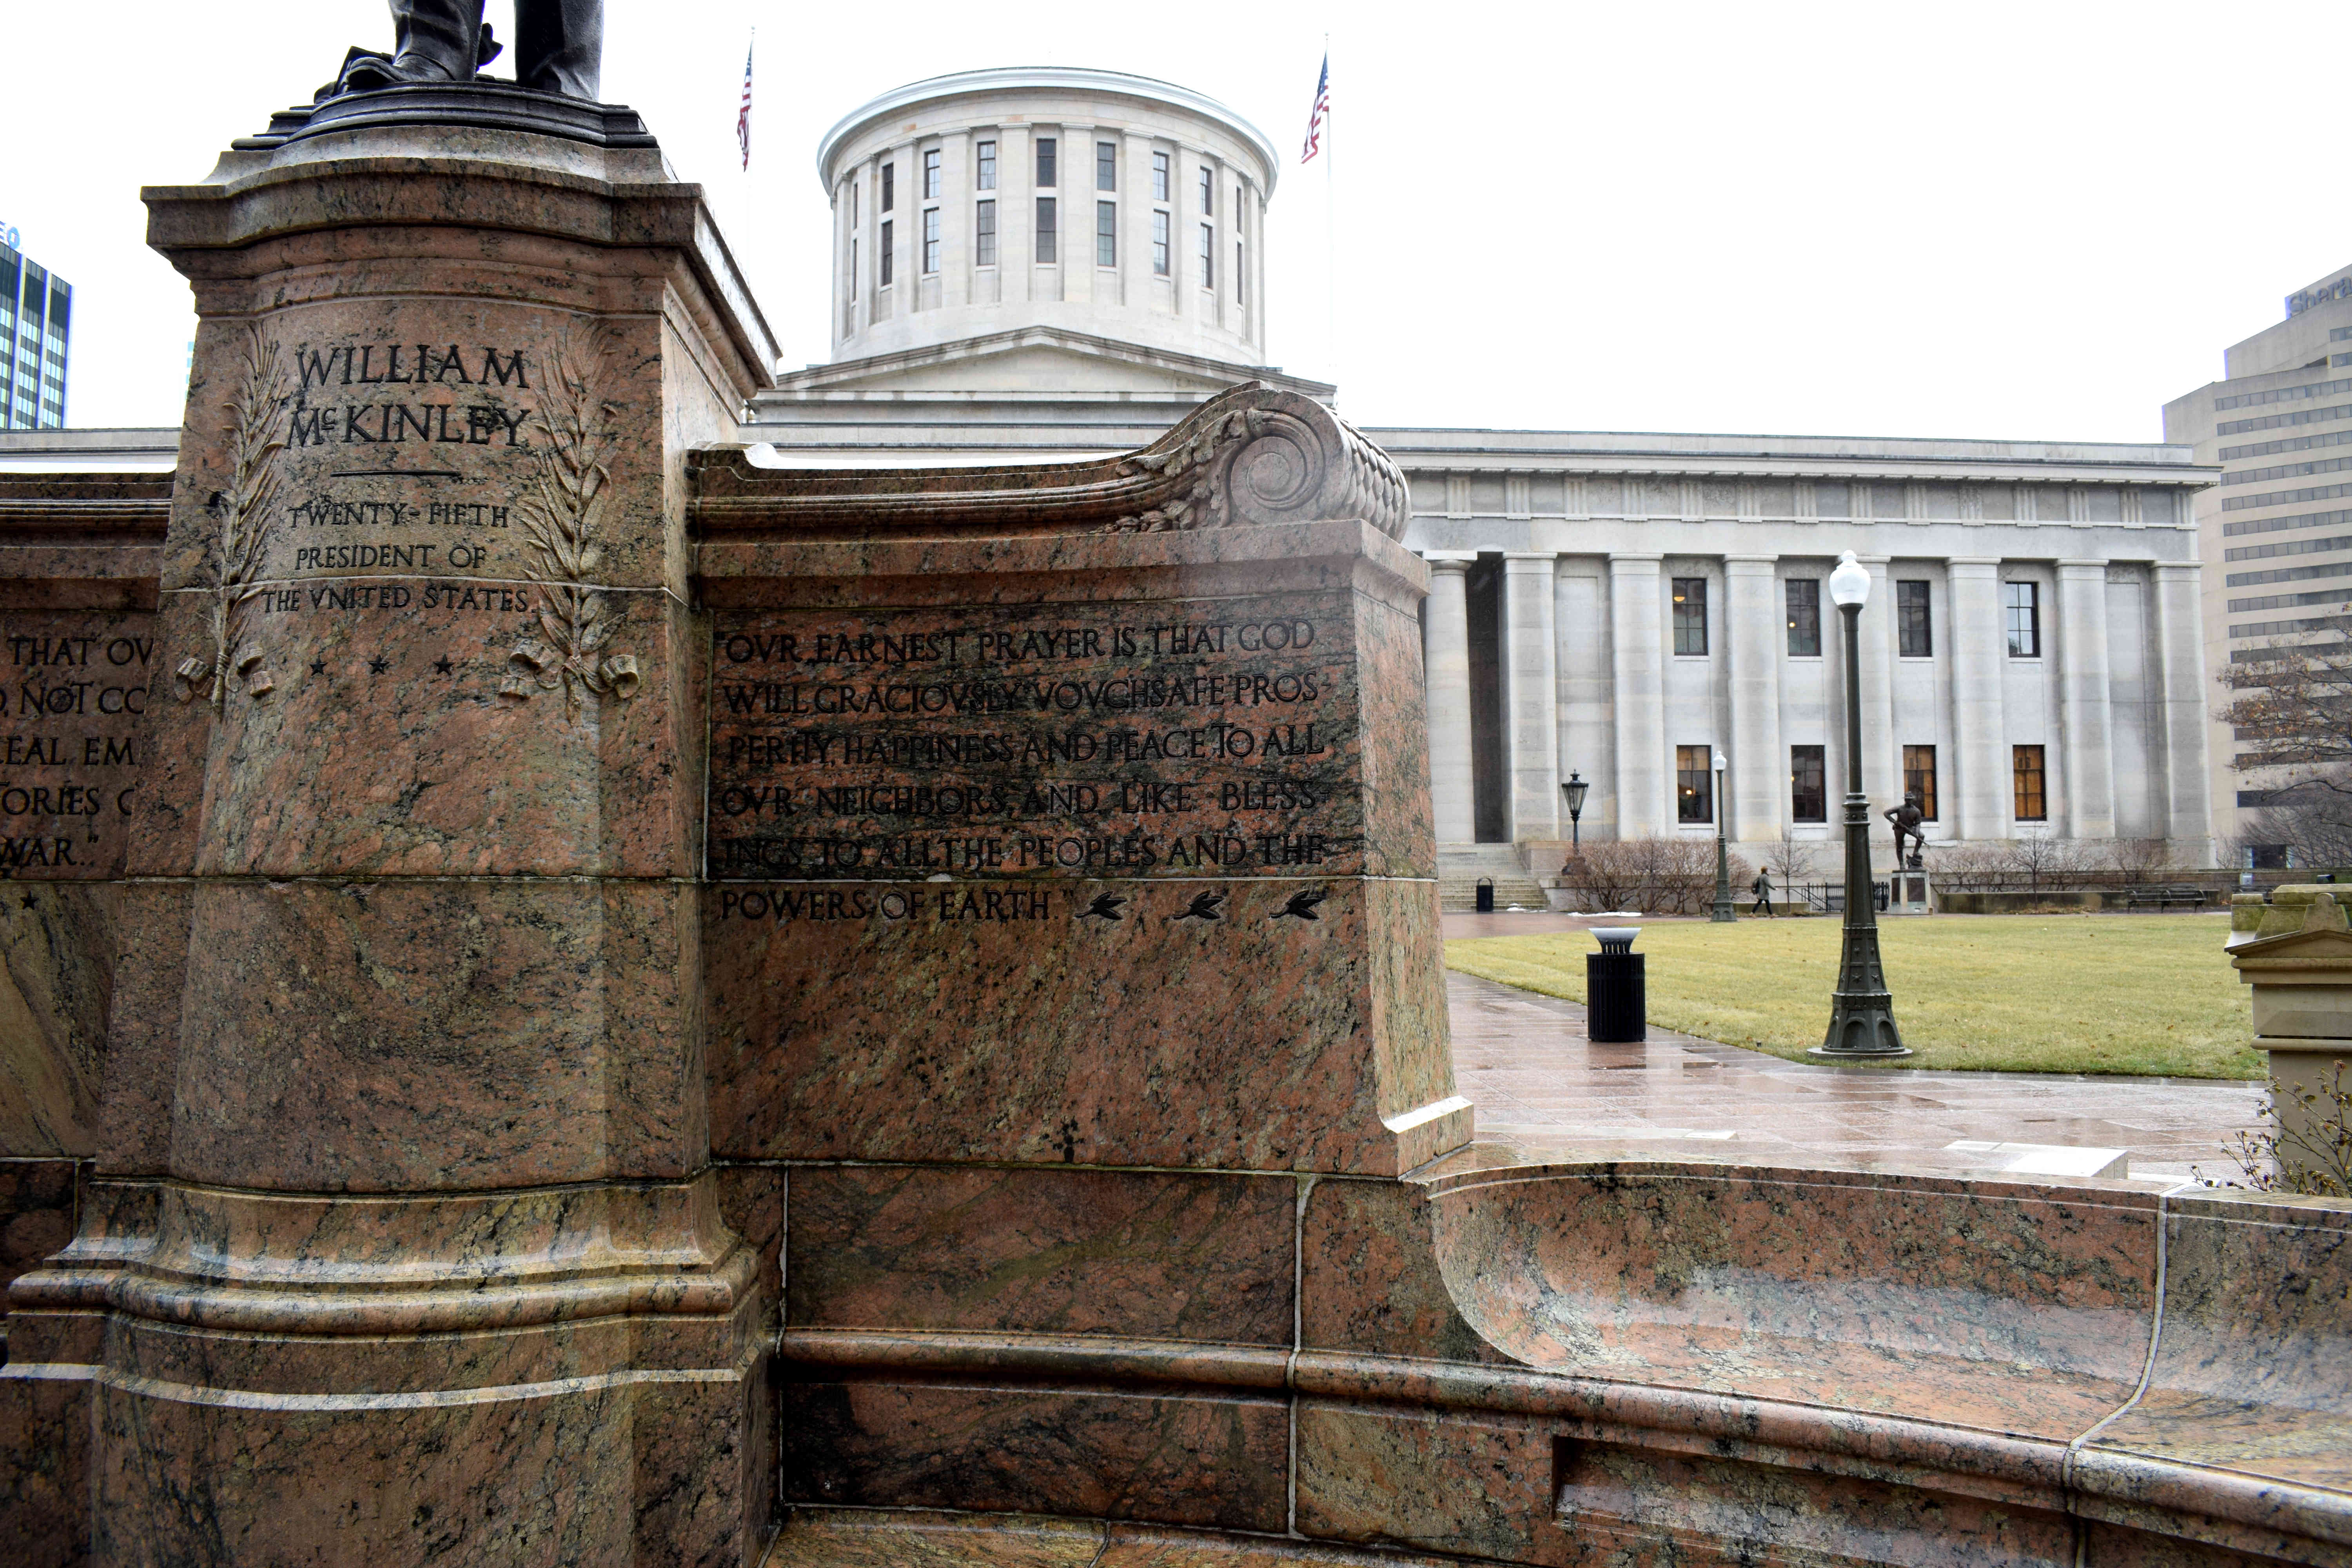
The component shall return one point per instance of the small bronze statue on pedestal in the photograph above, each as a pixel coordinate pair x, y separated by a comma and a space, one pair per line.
1910, 822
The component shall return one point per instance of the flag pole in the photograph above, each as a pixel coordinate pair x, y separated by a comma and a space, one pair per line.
1330, 233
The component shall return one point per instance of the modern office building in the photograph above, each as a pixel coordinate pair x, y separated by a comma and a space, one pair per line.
2278, 524
36, 314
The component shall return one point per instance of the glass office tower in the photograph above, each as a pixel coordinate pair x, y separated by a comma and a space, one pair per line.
35, 310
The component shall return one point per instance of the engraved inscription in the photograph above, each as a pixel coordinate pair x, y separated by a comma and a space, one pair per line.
73, 687
1215, 739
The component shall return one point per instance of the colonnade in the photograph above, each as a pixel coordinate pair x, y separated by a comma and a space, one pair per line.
1584, 655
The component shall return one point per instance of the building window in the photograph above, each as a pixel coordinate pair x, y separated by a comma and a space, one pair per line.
1045, 228
1160, 176
1105, 165
1919, 777
1693, 787
2032, 800
853, 269
1208, 256
931, 175
1804, 616
1159, 244
889, 186
1912, 625
1106, 234
1240, 273
1690, 615
2023, 603
987, 151
853, 204
931, 239
984, 234
1208, 194
1809, 792
1045, 175
886, 252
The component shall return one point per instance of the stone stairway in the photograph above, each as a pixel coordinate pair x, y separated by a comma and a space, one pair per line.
1459, 867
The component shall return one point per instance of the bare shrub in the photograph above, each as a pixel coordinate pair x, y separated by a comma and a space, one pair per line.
2043, 861
1661, 876
2137, 860
1791, 860
1973, 868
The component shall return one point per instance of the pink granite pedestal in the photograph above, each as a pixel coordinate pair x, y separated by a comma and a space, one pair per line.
403, 1243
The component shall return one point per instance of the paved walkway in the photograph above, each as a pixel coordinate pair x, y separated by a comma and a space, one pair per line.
1541, 1086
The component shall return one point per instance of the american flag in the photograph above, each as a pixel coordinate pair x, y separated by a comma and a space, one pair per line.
743, 115
1315, 117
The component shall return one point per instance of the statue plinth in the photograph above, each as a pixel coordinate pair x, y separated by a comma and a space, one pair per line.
404, 1230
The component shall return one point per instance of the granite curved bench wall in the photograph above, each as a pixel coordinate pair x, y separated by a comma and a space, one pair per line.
1570, 1364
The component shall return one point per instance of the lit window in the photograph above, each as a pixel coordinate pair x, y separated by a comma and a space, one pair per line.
1159, 244
1208, 194
1919, 777
1208, 255
987, 153
2024, 602
984, 234
931, 176
1690, 615
889, 186
1160, 176
1106, 234
1809, 795
1915, 632
1693, 787
1804, 616
1105, 165
1045, 175
1045, 235
2029, 795
886, 252
931, 239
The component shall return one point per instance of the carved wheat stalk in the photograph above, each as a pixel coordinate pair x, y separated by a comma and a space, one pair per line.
243, 510
559, 515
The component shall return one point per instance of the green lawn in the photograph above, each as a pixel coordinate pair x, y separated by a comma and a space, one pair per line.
2127, 994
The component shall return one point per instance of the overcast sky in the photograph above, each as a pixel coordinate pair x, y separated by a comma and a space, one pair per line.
1992, 220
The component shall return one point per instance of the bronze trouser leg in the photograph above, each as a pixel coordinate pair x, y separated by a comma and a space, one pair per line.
560, 46
437, 36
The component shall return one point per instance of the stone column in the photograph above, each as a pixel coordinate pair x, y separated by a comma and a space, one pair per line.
1588, 740
1882, 756
1753, 627
1451, 792
1980, 759
1532, 690
2084, 725
1077, 190
2183, 691
1016, 213
409, 1246
1637, 653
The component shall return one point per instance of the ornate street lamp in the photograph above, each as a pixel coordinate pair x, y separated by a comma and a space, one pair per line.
1574, 790
1862, 1014
1724, 913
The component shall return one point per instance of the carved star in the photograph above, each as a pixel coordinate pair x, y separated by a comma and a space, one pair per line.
318, 667
442, 664
29, 904
378, 664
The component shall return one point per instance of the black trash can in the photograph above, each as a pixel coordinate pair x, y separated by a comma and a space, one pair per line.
1616, 1009
1485, 895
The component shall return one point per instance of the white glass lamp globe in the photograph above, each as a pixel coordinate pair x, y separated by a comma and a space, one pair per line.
1850, 583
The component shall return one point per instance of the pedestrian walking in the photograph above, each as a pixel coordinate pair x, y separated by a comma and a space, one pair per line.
1762, 888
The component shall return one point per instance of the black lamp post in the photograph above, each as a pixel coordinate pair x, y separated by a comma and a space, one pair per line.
1862, 1013
1724, 913
1574, 790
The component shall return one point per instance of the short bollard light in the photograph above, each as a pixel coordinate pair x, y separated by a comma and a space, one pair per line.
1615, 1006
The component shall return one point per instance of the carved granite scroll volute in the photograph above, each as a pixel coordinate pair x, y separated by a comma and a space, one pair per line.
1252, 455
